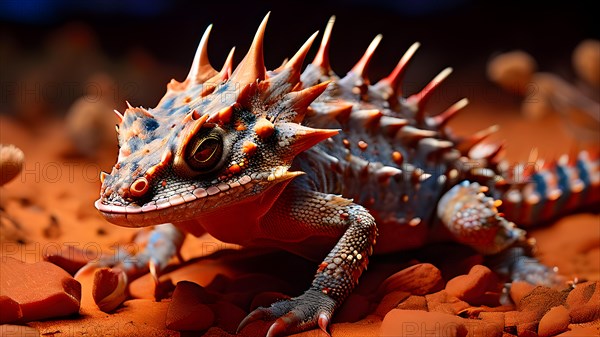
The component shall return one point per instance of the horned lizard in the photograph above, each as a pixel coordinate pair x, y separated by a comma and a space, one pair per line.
331, 168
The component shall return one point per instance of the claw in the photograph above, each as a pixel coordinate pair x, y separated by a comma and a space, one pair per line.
256, 315
324, 322
153, 271
286, 324
311, 309
277, 328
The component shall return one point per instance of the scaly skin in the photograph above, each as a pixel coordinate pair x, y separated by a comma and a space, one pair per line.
310, 162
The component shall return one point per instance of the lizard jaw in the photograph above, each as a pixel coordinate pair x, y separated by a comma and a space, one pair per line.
133, 216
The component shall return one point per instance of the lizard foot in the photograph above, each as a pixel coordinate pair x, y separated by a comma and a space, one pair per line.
517, 264
295, 315
531, 270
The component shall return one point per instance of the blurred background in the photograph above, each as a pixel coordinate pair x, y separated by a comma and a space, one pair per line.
55, 51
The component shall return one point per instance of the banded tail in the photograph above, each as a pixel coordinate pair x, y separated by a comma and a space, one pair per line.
562, 187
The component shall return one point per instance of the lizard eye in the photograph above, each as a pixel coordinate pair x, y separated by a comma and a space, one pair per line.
205, 152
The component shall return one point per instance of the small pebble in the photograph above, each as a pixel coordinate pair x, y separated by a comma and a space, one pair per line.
420, 279
186, 310
11, 162
555, 321
413, 302
228, 315
475, 287
586, 61
70, 258
520, 289
442, 301
582, 294
512, 71
109, 288
390, 301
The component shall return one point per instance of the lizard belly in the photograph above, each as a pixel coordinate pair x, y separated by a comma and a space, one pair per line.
395, 235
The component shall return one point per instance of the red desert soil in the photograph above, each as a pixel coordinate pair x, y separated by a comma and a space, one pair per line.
50, 207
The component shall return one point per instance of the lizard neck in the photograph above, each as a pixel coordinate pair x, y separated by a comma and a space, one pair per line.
238, 223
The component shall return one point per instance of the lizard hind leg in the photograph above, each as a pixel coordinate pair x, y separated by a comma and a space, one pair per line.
473, 219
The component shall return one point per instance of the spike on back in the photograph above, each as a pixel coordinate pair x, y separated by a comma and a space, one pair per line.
119, 115
442, 119
420, 99
252, 67
299, 101
361, 67
227, 66
201, 69
465, 146
393, 80
322, 57
225, 71
491, 151
295, 63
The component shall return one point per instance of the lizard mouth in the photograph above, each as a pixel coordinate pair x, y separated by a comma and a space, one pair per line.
178, 207
133, 216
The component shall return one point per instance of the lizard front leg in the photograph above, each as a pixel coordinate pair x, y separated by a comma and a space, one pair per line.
302, 214
156, 248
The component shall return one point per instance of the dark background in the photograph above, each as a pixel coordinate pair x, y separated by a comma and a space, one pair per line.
148, 42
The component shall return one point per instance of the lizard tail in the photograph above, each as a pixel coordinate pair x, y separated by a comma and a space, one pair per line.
569, 184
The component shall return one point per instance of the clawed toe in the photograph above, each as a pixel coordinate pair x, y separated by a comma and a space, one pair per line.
309, 310
256, 315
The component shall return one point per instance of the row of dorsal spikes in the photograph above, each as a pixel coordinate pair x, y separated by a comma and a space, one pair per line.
252, 68
375, 175
396, 129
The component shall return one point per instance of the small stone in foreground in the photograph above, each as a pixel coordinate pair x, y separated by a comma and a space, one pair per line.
476, 287
187, 310
555, 321
109, 289
11, 162
582, 293
420, 279
444, 302
228, 315
41, 290
390, 301
414, 302
70, 258
520, 289
10, 311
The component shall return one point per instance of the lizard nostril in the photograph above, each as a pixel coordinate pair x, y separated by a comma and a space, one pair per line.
139, 187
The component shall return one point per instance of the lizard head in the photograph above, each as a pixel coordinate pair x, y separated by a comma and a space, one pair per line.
214, 139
